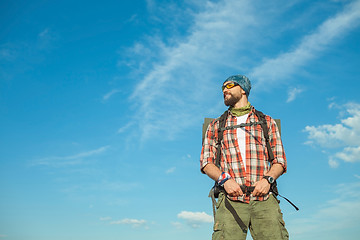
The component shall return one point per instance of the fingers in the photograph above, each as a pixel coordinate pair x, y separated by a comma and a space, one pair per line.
261, 188
233, 188
236, 193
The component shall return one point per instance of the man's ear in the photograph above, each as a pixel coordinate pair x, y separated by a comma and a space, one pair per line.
242, 91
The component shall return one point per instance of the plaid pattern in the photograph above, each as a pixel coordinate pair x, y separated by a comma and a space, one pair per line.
256, 152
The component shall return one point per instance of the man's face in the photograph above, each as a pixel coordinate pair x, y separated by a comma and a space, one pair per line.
232, 95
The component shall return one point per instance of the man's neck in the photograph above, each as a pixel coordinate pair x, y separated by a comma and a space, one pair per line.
242, 103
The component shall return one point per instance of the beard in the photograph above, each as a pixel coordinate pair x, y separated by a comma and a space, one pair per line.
230, 100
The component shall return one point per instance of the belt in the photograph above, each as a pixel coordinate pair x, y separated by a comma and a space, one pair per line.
247, 190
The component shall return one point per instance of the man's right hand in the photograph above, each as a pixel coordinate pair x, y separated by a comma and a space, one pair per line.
232, 188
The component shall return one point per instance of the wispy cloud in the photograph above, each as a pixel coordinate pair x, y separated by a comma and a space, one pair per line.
132, 222
340, 210
344, 135
19, 56
17, 50
126, 221
177, 225
7, 52
285, 65
46, 39
105, 218
45, 33
110, 94
219, 37
170, 170
293, 93
166, 93
195, 219
333, 163
60, 161
125, 127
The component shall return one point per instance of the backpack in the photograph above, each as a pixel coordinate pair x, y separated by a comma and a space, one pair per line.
263, 123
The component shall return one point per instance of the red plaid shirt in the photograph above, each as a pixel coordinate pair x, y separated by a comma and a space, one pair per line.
257, 163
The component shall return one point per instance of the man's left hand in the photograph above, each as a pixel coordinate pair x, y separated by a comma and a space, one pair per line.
262, 187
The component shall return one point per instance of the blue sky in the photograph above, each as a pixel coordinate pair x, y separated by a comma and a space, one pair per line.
102, 104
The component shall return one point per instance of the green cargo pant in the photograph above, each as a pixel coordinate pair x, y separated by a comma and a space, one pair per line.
263, 218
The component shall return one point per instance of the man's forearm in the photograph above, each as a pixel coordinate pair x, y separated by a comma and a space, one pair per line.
212, 171
275, 171
231, 186
262, 187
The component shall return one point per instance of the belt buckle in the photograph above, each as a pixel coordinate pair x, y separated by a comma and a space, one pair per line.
248, 192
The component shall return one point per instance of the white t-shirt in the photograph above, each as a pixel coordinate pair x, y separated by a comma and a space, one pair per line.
240, 132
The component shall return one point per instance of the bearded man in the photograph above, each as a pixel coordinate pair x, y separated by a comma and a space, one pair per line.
244, 172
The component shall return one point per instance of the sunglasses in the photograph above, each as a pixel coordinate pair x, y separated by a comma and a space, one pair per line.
229, 85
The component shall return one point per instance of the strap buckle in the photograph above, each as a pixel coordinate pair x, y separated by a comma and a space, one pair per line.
247, 190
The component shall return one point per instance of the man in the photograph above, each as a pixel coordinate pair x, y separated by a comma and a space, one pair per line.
244, 164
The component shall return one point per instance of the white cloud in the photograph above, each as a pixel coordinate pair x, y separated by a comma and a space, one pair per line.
293, 93
177, 225
45, 33
349, 154
194, 219
45, 39
105, 218
344, 135
7, 53
333, 163
286, 64
69, 160
125, 127
327, 135
133, 222
170, 170
109, 94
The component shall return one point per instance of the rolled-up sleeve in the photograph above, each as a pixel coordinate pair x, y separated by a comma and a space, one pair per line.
276, 145
208, 151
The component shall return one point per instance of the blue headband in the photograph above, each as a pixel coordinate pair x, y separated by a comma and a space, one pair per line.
243, 81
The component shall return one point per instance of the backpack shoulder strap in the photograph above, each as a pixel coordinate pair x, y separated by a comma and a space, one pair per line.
222, 123
265, 129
